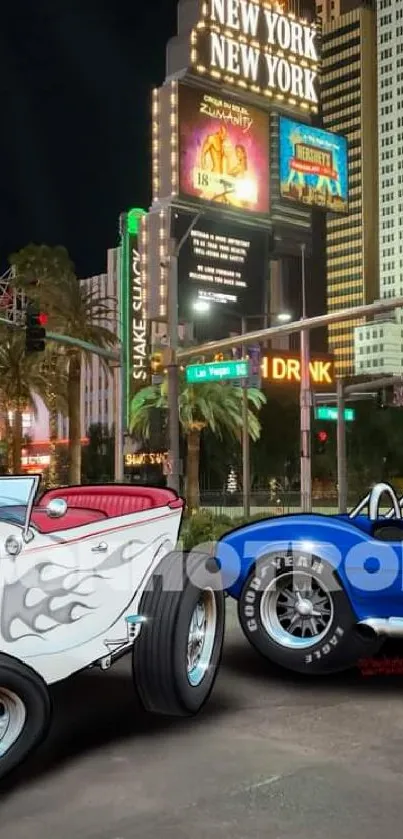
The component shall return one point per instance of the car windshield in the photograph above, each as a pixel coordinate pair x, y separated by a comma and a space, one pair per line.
16, 496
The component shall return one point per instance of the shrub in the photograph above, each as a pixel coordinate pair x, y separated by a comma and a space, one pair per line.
204, 527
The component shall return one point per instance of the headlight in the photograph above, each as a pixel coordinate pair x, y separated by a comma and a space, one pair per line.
13, 545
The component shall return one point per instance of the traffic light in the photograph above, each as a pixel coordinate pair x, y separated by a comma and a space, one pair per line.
157, 368
219, 356
321, 439
35, 331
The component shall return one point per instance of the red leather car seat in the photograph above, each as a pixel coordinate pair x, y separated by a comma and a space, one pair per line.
113, 500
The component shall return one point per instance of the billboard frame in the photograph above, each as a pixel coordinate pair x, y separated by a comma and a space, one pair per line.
208, 204
295, 201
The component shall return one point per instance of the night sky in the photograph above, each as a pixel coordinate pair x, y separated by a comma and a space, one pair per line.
76, 80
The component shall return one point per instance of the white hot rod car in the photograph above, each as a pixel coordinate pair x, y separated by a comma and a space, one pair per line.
87, 574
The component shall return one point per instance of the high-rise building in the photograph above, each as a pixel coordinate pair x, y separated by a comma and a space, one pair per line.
379, 347
348, 98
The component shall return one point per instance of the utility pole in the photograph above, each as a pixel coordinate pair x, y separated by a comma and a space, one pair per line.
117, 371
173, 480
305, 402
341, 449
245, 435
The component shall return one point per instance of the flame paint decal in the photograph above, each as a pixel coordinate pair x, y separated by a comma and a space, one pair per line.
52, 595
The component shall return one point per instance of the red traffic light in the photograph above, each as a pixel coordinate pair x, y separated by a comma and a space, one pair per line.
322, 436
42, 319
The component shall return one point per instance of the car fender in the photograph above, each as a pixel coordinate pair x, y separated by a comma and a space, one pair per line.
329, 538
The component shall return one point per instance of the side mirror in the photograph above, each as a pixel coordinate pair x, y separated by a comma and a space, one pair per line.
56, 508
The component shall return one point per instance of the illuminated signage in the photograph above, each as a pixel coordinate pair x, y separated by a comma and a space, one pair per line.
252, 45
134, 325
313, 166
35, 460
224, 151
217, 270
146, 459
221, 264
281, 367
139, 324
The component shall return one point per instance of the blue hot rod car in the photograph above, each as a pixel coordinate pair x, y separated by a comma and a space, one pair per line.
316, 593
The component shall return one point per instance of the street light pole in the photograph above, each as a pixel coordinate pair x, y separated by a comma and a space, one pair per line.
117, 371
173, 479
341, 449
245, 436
305, 402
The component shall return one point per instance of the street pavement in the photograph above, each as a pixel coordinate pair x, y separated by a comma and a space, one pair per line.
272, 756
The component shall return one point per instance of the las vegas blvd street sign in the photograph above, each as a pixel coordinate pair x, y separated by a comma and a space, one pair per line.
324, 412
217, 371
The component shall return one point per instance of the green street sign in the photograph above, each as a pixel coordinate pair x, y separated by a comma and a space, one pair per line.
217, 371
325, 412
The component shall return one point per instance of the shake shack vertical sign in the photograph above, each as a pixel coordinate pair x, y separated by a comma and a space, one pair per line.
138, 361
242, 40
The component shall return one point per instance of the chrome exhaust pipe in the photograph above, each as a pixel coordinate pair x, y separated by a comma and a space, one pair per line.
391, 627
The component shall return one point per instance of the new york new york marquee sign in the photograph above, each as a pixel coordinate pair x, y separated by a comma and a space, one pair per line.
256, 46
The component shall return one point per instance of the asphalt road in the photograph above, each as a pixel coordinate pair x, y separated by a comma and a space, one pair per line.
272, 755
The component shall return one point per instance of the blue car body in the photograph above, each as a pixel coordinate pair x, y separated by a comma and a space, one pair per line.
370, 570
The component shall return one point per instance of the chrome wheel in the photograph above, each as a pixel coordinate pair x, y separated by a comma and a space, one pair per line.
296, 610
202, 632
12, 719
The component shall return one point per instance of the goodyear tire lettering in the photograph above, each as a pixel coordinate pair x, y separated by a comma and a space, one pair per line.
317, 567
252, 626
327, 648
255, 584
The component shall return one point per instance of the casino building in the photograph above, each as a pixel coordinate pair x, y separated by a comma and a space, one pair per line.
234, 195
348, 99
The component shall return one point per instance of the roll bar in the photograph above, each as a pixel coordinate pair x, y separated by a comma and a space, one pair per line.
372, 502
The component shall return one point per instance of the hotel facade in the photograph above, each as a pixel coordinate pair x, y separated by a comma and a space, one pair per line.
348, 98
379, 347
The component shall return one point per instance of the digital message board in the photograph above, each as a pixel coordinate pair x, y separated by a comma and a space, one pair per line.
313, 166
223, 151
222, 267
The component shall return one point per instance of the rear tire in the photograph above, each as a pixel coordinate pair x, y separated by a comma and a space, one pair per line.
25, 712
177, 654
278, 623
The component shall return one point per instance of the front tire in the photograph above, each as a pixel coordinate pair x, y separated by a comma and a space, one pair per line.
294, 611
25, 712
177, 654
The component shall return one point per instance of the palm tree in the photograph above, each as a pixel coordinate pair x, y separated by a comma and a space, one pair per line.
81, 313
216, 406
74, 310
21, 377
55, 398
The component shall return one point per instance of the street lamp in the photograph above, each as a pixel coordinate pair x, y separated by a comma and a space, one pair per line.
203, 306
305, 402
173, 479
